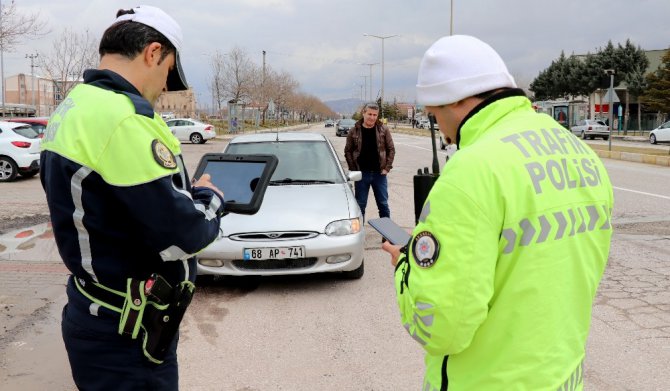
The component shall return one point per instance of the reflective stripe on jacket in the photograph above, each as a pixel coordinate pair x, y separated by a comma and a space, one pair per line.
504, 263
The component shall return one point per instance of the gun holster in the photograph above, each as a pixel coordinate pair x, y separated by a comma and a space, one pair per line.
158, 316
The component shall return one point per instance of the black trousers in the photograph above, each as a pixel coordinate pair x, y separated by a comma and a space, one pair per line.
101, 359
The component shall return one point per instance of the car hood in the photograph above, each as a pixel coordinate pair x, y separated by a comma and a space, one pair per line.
296, 207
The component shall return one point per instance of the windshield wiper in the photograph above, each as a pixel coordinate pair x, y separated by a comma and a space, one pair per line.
290, 180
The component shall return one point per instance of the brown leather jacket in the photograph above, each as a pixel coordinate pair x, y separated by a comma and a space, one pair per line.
352, 149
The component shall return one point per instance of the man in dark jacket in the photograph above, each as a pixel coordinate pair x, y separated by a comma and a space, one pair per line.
370, 149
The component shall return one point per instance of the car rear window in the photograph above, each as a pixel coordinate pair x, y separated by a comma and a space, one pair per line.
26, 131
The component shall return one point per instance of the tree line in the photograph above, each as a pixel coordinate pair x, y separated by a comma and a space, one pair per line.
236, 78
571, 77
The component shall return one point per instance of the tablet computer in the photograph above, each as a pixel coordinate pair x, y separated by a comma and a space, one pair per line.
242, 178
390, 230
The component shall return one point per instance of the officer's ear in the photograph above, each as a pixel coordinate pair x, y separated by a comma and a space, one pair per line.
152, 54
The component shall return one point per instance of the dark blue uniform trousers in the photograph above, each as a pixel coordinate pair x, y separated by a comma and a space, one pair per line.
101, 359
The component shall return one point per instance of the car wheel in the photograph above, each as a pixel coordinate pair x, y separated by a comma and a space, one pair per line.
606, 138
356, 273
652, 139
196, 138
8, 169
583, 135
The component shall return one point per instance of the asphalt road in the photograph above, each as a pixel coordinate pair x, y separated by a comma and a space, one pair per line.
323, 333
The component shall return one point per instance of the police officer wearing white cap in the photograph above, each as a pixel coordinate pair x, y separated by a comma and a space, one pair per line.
126, 219
498, 280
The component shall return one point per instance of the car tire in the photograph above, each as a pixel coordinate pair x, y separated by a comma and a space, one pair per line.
442, 144
356, 273
583, 135
8, 169
606, 138
652, 139
196, 138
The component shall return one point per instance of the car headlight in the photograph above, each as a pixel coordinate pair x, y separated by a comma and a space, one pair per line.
343, 227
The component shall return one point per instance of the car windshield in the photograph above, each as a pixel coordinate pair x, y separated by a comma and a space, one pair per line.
347, 122
26, 131
300, 162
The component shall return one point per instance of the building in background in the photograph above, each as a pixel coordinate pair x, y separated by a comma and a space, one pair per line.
180, 104
37, 96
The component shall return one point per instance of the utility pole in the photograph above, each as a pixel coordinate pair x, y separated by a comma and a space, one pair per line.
611, 72
263, 89
32, 58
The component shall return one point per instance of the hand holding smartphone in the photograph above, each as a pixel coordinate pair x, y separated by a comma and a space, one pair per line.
390, 231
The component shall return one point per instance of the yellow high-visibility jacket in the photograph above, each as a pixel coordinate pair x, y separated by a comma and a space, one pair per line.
498, 281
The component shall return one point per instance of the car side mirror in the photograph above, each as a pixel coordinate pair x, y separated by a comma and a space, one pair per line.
354, 176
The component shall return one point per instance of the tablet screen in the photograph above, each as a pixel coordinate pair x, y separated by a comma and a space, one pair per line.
237, 180
242, 178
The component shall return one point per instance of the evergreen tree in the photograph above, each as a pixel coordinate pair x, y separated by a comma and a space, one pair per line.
657, 94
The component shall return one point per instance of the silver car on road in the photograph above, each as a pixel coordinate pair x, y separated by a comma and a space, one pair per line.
309, 221
591, 128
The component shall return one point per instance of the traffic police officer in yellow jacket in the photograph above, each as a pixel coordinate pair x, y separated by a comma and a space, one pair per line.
498, 280
127, 221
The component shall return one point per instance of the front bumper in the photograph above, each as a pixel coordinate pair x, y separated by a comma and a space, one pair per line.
320, 252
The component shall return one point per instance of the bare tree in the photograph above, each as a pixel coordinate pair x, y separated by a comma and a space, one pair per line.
238, 76
71, 54
216, 85
280, 87
16, 26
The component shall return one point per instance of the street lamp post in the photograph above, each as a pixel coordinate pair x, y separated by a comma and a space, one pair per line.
365, 86
611, 72
451, 18
370, 65
383, 38
32, 58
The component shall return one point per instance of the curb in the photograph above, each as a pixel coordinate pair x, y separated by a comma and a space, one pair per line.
635, 157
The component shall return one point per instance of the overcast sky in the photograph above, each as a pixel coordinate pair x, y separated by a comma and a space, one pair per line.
321, 43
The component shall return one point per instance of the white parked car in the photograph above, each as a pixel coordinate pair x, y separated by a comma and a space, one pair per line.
591, 128
187, 129
660, 134
309, 221
19, 151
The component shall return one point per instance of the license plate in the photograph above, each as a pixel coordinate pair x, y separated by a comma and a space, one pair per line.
266, 253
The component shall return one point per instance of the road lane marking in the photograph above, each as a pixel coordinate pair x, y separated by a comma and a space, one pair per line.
642, 192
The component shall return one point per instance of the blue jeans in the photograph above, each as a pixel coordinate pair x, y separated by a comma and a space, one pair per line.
379, 188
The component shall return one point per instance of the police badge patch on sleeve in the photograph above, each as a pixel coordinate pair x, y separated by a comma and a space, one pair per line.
425, 249
163, 155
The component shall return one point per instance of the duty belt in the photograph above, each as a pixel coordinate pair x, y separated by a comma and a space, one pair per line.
98, 294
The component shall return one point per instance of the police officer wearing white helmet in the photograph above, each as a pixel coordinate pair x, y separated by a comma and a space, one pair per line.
498, 280
126, 219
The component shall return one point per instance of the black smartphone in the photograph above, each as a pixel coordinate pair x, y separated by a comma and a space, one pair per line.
390, 231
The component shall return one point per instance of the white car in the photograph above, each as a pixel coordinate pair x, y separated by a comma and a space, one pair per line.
19, 151
425, 124
591, 128
309, 221
187, 129
660, 134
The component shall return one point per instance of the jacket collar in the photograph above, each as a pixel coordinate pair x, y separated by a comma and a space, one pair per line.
112, 81
487, 113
